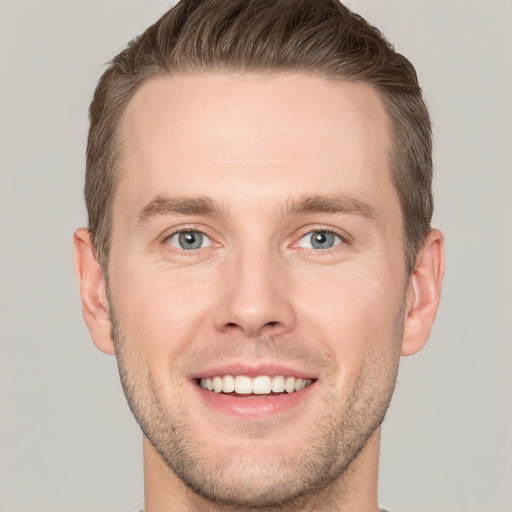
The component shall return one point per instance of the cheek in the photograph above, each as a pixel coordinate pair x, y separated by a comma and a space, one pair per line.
158, 310
355, 310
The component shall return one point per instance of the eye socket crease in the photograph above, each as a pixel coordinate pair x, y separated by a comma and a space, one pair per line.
199, 239
204, 206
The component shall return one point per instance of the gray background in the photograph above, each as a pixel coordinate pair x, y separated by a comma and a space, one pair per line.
67, 440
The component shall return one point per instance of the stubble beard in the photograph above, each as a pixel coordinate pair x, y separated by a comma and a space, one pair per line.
238, 482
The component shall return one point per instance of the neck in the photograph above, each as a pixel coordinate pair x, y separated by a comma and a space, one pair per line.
355, 490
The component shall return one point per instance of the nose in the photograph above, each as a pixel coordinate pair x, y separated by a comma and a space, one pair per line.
255, 299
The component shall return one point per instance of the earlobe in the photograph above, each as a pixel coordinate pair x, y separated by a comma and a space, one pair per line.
424, 294
91, 282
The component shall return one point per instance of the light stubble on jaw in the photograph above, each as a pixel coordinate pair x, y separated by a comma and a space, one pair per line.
234, 481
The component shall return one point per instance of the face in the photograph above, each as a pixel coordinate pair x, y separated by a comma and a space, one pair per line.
256, 279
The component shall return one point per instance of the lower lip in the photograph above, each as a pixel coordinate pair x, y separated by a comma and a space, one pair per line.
254, 406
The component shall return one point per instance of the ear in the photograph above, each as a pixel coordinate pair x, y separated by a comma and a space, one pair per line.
92, 291
424, 293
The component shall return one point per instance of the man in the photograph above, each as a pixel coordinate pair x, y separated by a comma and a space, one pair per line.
259, 251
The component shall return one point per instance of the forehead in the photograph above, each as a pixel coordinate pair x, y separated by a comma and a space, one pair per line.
280, 135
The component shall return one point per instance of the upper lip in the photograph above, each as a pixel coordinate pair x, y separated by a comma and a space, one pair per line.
253, 370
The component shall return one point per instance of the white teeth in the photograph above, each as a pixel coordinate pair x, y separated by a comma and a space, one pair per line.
289, 385
243, 385
300, 384
217, 384
260, 385
278, 384
228, 384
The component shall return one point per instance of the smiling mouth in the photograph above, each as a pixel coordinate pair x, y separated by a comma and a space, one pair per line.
261, 385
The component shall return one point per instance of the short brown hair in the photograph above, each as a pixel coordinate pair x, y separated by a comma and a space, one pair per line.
319, 37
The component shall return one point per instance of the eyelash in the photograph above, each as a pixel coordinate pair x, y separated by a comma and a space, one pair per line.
188, 229
345, 240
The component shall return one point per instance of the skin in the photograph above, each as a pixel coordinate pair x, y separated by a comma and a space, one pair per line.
257, 292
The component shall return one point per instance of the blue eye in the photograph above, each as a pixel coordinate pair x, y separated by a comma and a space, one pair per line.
319, 239
189, 240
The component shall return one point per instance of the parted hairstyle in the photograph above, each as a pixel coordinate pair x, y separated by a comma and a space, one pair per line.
318, 37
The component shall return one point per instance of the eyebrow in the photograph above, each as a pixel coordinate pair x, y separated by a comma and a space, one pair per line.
331, 204
201, 205
161, 205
